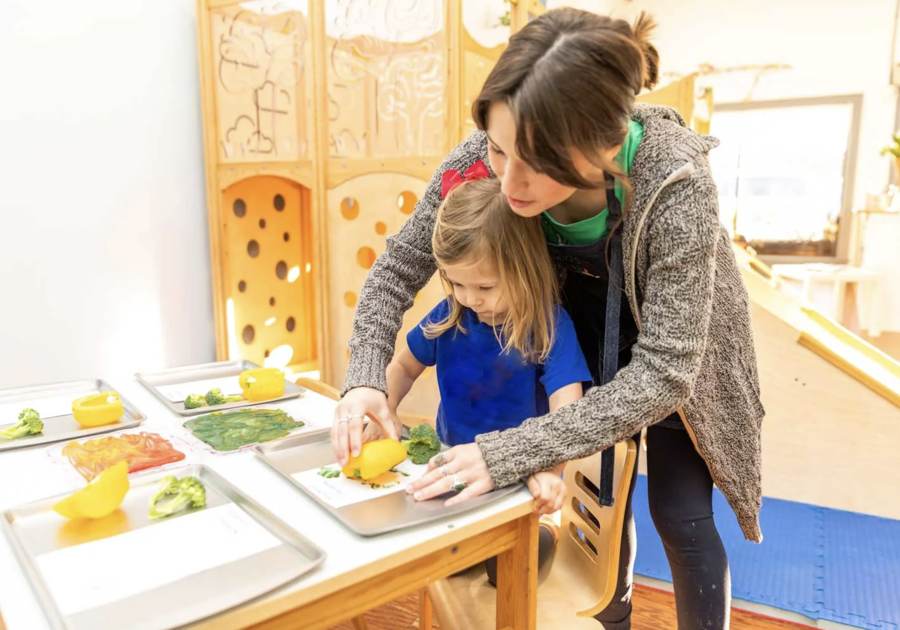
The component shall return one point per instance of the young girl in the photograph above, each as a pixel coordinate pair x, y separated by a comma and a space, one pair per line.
557, 119
503, 349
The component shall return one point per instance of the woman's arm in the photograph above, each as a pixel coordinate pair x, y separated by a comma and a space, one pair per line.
560, 398
678, 291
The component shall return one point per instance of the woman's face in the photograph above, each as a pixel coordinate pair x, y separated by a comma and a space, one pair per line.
529, 193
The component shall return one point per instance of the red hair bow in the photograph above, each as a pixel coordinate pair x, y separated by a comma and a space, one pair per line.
450, 179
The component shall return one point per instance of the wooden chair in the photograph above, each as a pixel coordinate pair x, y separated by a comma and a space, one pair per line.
359, 623
580, 580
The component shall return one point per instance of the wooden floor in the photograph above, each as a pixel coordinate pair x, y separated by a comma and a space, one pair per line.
653, 610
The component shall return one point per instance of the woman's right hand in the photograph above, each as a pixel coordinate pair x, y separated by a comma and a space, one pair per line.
347, 430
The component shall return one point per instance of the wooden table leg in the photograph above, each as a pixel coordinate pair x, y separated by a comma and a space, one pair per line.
517, 579
426, 613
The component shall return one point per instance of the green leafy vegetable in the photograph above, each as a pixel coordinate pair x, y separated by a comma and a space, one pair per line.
230, 430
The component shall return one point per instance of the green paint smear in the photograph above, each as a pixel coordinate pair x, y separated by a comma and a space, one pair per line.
230, 430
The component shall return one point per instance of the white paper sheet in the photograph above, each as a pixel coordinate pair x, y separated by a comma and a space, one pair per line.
49, 407
229, 385
339, 491
97, 573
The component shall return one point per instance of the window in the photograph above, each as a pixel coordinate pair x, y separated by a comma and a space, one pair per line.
784, 173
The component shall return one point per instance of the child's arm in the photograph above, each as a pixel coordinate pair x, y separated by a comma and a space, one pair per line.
402, 372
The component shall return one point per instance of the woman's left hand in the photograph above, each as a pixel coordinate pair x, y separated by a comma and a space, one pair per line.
459, 465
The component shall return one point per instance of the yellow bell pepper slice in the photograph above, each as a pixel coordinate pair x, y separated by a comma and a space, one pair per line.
99, 498
374, 459
98, 409
261, 384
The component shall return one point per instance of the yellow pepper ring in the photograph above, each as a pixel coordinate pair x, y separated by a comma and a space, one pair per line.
261, 384
98, 409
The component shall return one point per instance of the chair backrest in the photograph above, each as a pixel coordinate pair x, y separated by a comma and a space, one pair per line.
319, 387
590, 534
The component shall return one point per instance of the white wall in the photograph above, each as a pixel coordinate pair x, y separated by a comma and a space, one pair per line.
832, 47
104, 254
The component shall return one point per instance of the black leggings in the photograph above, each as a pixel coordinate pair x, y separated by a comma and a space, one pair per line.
680, 495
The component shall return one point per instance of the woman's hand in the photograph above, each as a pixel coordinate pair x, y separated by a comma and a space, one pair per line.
373, 430
548, 490
464, 465
347, 430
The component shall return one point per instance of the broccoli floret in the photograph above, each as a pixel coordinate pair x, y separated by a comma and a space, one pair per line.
29, 423
423, 444
175, 495
216, 397
194, 401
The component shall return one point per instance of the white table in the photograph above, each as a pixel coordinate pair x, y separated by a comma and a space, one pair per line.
358, 574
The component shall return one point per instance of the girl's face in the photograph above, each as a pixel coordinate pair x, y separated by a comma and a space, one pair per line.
477, 287
529, 193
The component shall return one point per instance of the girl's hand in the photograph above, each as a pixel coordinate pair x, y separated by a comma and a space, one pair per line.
459, 464
548, 490
373, 430
347, 430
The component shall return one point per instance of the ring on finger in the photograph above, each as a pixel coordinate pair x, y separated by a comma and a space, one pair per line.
444, 471
344, 419
439, 460
457, 484
355, 415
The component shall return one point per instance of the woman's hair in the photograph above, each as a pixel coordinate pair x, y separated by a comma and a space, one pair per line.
475, 226
570, 78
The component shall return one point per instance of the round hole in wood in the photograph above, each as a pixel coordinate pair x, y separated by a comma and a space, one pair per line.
239, 207
242, 286
350, 299
253, 249
248, 334
271, 301
365, 257
349, 208
281, 270
278, 202
406, 202
262, 224
266, 354
290, 324
287, 237
380, 228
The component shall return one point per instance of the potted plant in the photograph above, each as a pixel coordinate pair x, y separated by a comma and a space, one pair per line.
894, 150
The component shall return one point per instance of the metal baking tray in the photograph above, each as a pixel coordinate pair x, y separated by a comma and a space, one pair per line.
380, 515
59, 423
35, 529
207, 371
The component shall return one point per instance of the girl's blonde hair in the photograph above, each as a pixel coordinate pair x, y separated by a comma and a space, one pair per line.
475, 226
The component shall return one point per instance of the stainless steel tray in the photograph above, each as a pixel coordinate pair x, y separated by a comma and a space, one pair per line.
207, 371
380, 515
59, 423
35, 529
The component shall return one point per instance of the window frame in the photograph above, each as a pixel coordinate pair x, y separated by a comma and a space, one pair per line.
845, 222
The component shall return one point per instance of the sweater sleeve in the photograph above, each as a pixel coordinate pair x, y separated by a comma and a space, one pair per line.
398, 275
681, 240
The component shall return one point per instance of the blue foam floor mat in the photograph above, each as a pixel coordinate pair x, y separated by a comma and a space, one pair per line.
821, 563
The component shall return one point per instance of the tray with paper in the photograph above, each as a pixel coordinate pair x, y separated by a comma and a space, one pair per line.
128, 570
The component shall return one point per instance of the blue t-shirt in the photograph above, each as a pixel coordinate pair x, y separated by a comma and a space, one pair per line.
484, 389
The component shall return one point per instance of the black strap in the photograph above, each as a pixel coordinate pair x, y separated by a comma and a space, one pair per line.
610, 355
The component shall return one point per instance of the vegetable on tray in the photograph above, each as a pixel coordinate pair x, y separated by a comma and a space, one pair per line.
140, 450
29, 423
230, 430
374, 459
262, 384
101, 497
213, 398
98, 409
423, 444
175, 495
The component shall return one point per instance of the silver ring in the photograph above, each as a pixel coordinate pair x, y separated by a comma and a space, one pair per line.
439, 459
355, 415
444, 471
458, 484
344, 419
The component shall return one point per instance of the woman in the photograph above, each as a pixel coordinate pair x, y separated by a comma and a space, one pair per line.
558, 121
